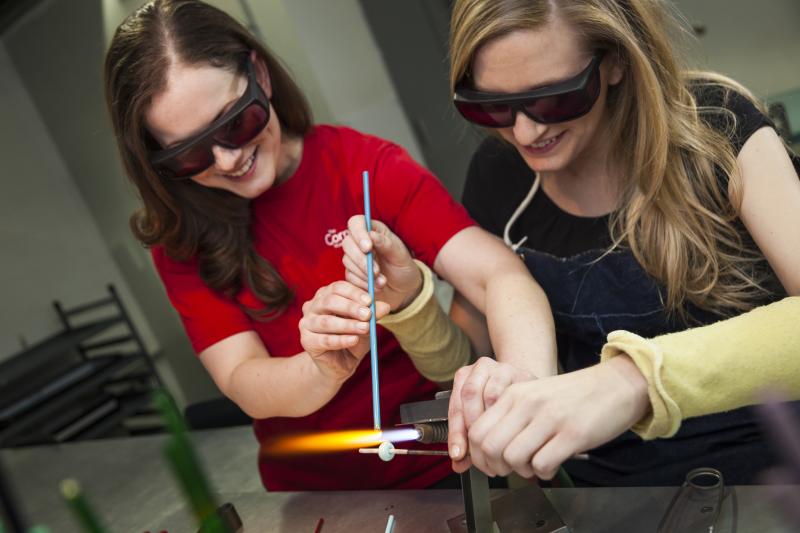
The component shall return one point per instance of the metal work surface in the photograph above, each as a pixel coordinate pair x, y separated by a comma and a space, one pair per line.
130, 485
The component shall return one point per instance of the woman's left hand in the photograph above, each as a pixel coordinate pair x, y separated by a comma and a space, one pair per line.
536, 425
334, 328
476, 387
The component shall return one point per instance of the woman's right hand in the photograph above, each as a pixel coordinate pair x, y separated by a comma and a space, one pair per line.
334, 329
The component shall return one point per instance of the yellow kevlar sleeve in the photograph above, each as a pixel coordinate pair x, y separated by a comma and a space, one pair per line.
437, 346
714, 368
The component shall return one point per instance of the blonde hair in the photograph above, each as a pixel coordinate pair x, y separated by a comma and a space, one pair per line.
674, 217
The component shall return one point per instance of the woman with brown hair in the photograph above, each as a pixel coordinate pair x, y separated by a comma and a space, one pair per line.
245, 206
643, 196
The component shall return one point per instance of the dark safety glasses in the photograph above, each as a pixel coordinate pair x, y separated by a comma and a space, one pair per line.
240, 125
560, 102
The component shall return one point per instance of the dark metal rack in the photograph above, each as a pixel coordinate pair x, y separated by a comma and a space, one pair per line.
83, 382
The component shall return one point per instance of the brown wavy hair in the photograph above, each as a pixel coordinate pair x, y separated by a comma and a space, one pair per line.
674, 216
189, 220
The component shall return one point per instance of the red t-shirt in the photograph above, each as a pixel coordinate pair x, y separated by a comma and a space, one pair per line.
298, 226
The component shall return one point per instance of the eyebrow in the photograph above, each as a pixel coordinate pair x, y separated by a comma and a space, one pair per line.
222, 111
528, 88
547, 83
225, 108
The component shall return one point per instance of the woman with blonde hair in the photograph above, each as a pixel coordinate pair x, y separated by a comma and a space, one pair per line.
643, 196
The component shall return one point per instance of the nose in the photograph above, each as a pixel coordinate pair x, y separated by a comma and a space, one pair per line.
525, 130
227, 159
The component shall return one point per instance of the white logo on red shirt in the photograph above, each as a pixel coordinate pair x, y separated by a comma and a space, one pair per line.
336, 239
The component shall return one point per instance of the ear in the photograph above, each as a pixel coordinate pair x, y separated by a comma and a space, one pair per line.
262, 73
614, 69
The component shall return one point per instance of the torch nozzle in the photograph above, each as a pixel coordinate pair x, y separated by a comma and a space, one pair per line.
431, 432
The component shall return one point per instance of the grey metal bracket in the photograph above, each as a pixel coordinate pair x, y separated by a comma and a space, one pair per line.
521, 510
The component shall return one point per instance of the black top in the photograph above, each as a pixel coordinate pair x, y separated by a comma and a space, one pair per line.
499, 179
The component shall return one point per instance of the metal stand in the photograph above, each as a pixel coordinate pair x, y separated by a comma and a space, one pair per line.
478, 515
522, 510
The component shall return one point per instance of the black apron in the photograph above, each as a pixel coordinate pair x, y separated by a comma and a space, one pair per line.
594, 293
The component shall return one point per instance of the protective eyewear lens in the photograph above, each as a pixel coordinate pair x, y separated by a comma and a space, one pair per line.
242, 128
562, 102
246, 119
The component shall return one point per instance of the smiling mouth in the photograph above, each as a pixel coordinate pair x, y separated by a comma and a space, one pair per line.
244, 169
548, 142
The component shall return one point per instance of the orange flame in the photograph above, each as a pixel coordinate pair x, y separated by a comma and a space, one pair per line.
332, 441
335, 441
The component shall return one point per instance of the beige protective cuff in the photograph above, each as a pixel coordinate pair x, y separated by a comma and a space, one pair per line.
437, 346
714, 368
664, 417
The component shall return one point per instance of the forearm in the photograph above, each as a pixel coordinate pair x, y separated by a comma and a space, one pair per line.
499, 285
265, 387
520, 321
714, 368
472, 322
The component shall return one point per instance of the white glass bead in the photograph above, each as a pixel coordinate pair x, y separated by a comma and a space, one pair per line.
386, 451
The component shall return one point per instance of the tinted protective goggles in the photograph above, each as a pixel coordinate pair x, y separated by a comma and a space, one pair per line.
240, 125
560, 102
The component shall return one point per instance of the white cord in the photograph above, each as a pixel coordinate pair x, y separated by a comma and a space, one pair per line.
516, 215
